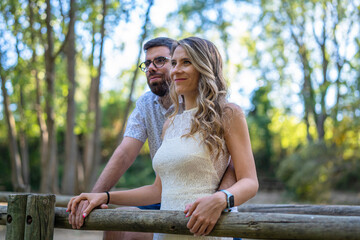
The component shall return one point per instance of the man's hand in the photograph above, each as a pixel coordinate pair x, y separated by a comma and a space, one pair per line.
76, 218
204, 213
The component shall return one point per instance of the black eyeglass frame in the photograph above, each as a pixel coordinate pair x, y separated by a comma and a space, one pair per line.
144, 66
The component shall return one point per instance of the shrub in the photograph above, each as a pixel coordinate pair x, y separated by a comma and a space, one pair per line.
307, 173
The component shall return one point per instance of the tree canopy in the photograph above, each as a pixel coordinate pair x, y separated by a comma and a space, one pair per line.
293, 65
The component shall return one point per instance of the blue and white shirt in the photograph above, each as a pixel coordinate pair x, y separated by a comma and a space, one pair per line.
147, 120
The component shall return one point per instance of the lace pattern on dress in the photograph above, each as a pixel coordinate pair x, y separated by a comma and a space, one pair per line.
181, 125
186, 169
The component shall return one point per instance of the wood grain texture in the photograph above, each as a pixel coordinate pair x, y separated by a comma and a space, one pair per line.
15, 217
40, 217
242, 224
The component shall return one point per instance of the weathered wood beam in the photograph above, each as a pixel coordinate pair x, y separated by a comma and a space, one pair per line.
242, 224
3, 215
333, 210
247, 225
4, 196
62, 200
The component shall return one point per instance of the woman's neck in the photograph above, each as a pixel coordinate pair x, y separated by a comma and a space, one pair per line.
190, 102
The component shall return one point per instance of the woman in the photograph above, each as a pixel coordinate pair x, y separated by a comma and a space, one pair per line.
196, 146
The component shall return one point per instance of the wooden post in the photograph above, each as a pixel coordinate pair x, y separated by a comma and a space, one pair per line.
15, 218
40, 217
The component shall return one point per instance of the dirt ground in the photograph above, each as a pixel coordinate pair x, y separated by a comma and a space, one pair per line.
337, 198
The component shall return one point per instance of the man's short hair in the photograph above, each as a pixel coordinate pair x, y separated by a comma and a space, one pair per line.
158, 42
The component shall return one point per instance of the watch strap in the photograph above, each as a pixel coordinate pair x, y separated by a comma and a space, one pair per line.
230, 203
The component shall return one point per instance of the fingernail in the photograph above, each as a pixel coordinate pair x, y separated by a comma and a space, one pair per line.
67, 210
84, 215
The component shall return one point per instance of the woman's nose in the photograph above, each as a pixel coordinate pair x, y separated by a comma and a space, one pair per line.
173, 72
175, 68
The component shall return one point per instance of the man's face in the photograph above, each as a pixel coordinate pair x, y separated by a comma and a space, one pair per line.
158, 79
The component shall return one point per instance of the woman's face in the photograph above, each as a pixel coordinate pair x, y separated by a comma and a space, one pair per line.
183, 73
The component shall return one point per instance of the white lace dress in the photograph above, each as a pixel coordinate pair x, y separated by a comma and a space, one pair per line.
186, 169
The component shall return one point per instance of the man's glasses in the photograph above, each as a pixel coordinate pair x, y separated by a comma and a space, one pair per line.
158, 63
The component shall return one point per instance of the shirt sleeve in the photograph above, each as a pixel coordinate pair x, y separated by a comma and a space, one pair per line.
136, 124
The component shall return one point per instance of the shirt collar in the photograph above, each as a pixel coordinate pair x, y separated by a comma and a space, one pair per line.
167, 112
164, 111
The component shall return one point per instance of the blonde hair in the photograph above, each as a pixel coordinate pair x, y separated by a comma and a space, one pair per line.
211, 100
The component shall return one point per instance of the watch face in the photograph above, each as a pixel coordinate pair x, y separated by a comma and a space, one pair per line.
231, 201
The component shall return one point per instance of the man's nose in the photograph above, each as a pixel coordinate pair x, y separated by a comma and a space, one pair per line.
152, 67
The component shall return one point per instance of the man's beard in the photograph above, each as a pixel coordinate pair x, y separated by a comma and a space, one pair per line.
160, 88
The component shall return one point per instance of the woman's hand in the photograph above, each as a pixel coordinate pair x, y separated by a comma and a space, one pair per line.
205, 212
92, 199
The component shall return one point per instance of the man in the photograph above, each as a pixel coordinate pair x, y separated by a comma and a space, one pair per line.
145, 122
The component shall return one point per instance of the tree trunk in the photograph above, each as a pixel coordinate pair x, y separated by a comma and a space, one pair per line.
24, 154
49, 180
44, 135
129, 102
24, 150
69, 176
92, 134
322, 115
16, 170
307, 91
92, 155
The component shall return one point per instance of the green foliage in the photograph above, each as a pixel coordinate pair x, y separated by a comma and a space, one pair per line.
139, 174
308, 172
259, 119
112, 107
5, 165
34, 158
347, 175
278, 37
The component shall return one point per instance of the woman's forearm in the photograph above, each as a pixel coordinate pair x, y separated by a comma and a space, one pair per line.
244, 190
141, 196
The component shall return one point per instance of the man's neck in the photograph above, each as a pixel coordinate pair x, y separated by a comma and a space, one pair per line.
165, 101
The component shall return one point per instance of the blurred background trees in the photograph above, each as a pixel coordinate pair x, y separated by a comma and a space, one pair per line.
294, 67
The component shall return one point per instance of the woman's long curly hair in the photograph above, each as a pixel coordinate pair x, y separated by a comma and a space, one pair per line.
212, 89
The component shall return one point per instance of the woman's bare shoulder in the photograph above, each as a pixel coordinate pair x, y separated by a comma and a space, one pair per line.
233, 110
234, 120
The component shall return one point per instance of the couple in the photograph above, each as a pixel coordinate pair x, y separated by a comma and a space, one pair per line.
197, 141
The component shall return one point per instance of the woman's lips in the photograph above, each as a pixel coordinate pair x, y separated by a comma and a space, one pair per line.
180, 79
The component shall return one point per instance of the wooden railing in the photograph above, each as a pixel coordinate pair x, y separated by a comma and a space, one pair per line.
35, 217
